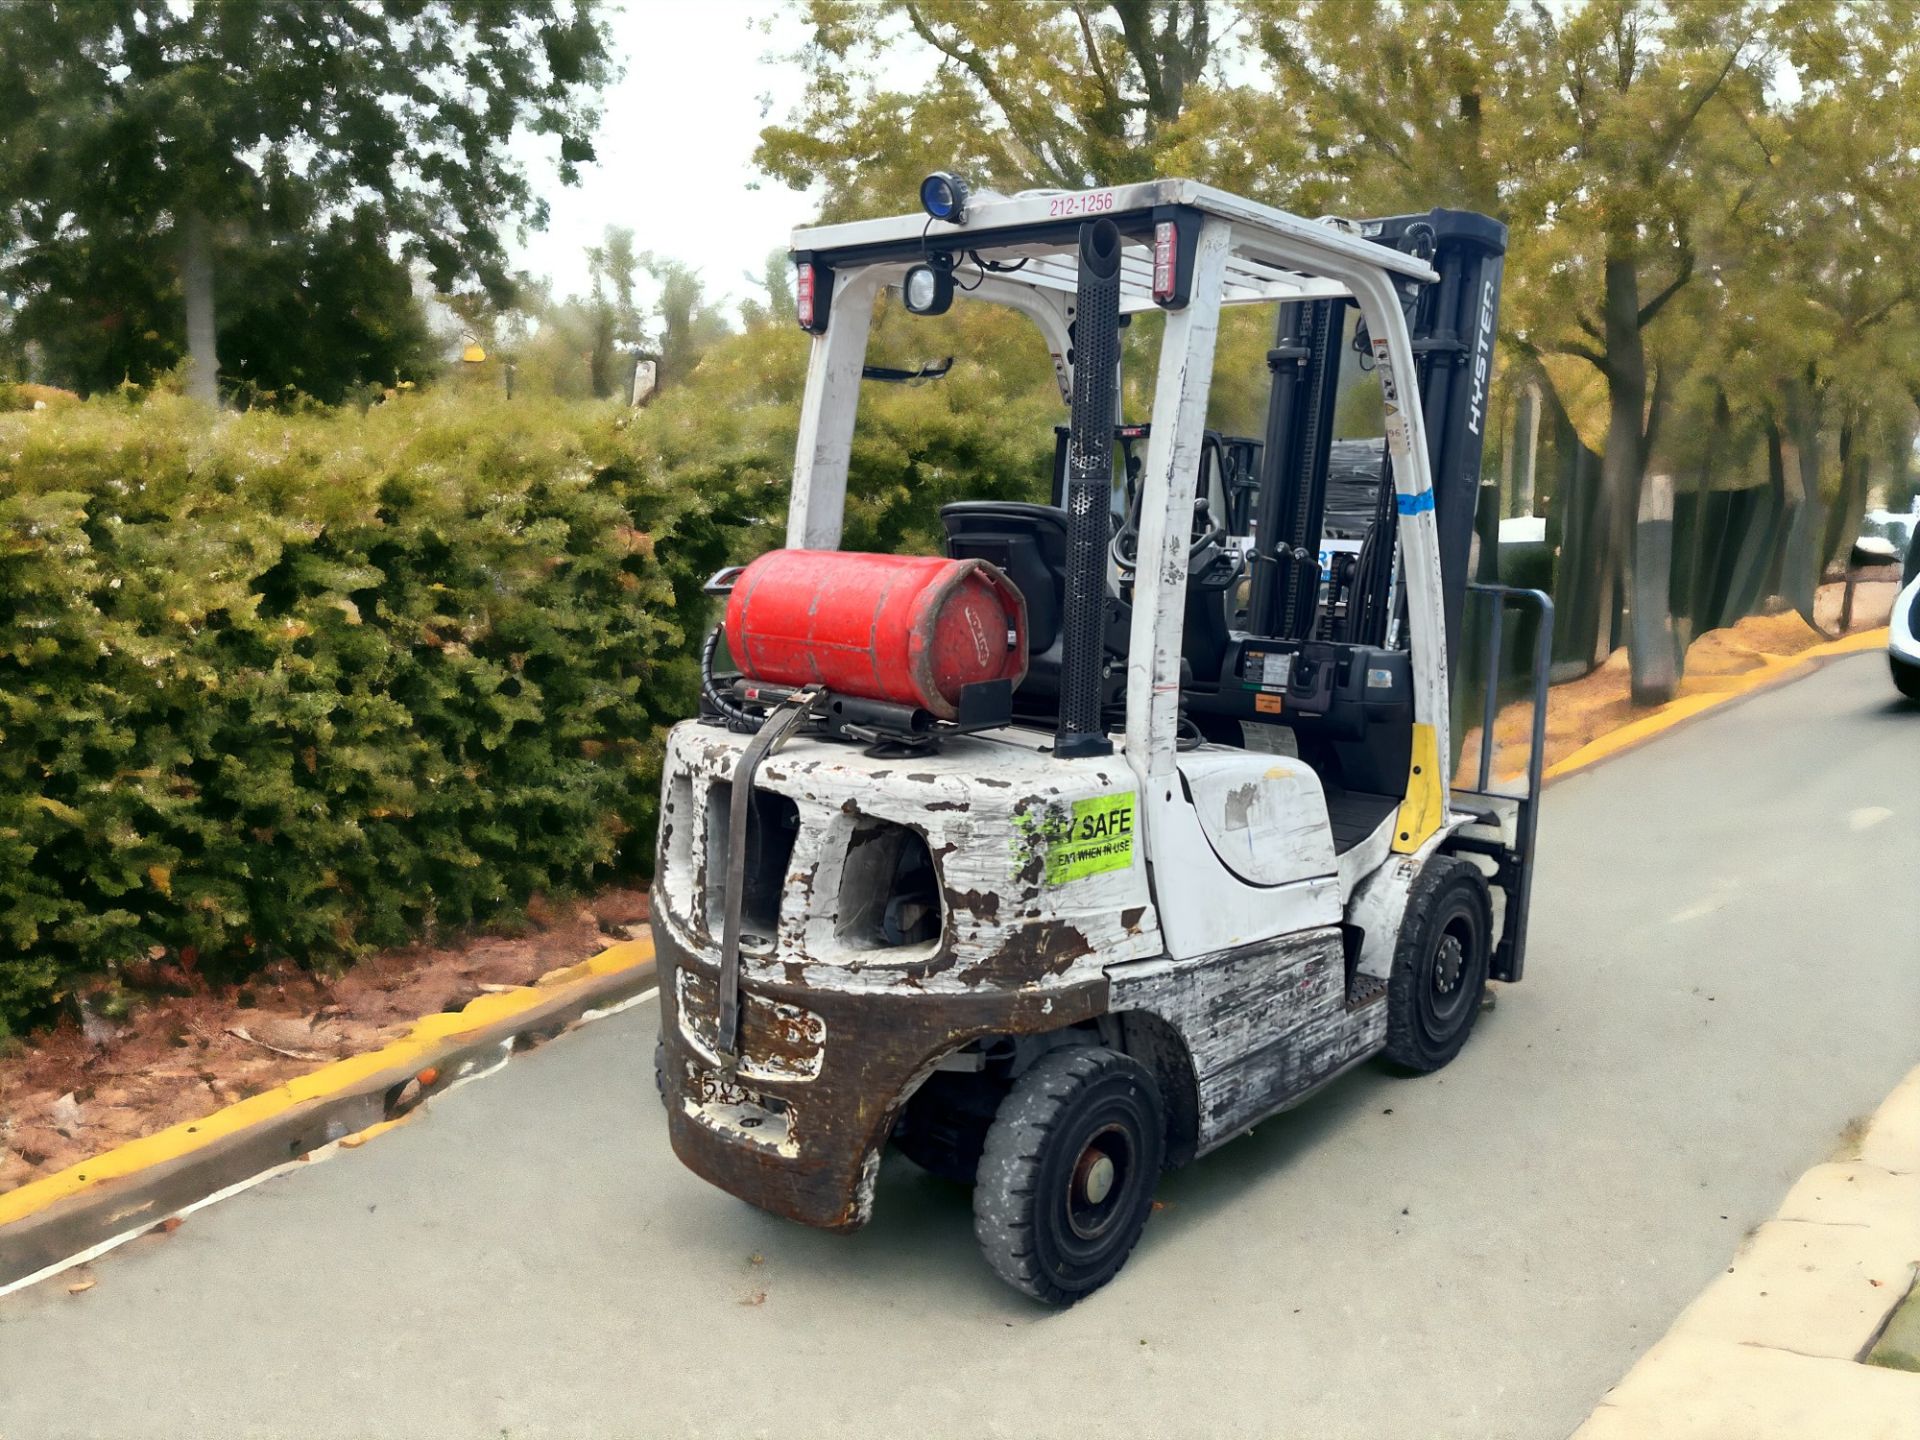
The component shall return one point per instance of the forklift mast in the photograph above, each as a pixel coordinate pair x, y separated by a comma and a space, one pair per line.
1453, 325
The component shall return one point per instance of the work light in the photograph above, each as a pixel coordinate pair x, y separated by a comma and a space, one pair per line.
943, 195
928, 289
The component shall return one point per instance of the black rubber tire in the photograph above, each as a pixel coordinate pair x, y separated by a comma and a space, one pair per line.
1040, 1224
1433, 993
660, 1070
1906, 677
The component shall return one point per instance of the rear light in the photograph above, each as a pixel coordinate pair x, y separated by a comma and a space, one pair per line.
803, 295
812, 293
1166, 261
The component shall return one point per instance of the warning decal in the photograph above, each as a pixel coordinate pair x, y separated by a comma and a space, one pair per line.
1095, 835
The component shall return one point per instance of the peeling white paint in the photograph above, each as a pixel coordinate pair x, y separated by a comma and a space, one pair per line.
747, 1120
982, 804
1264, 1024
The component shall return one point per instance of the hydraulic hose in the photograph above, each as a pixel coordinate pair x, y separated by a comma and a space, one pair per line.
738, 720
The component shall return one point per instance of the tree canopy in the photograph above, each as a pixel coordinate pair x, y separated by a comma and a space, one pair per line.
142, 139
1710, 202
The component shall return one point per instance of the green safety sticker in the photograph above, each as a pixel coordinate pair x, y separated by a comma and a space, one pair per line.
1095, 835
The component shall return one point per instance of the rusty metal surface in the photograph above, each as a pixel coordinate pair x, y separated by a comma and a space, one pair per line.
822, 1074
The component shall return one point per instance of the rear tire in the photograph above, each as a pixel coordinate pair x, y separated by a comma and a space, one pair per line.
1906, 677
1439, 965
1066, 1181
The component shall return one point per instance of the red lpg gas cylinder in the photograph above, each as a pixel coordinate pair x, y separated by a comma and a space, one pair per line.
910, 629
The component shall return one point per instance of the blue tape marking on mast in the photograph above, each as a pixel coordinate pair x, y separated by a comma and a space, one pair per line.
1415, 504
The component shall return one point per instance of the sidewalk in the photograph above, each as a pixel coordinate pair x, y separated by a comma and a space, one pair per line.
1774, 1349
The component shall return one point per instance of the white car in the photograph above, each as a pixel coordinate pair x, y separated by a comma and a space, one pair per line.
1903, 642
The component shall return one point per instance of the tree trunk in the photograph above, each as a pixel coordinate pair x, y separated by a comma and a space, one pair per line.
600, 356
1656, 671
1801, 572
1623, 466
1843, 519
1529, 427
1783, 465
196, 283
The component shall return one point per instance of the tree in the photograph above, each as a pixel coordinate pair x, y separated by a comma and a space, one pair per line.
1065, 94
312, 307
775, 280
1710, 204
688, 324
1649, 104
587, 344
1822, 334
322, 309
1402, 107
170, 129
612, 316
1610, 135
101, 313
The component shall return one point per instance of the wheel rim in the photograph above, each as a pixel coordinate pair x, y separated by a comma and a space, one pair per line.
1450, 995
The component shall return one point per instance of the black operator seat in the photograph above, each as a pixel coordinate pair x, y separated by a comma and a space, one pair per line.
1029, 543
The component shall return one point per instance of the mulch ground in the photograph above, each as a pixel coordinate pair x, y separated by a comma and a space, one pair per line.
190, 1048
1583, 710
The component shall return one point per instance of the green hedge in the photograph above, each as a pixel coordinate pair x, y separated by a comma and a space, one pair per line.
303, 685
299, 685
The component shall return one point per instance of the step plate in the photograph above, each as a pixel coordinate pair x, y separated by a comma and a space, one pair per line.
1364, 990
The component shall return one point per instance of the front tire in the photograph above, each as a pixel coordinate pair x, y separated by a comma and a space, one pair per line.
1439, 965
1066, 1179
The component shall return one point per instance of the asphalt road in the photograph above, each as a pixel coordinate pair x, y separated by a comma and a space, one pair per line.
1724, 971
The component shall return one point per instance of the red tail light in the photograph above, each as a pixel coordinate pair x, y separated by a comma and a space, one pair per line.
1166, 260
803, 295
812, 293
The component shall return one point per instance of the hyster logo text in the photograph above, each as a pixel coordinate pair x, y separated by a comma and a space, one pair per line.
1482, 361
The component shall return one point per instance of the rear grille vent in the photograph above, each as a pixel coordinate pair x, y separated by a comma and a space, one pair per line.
889, 892
772, 823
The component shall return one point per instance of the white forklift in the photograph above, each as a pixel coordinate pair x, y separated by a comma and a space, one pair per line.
1065, 857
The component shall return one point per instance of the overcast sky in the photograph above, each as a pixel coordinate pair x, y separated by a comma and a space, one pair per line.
676, 145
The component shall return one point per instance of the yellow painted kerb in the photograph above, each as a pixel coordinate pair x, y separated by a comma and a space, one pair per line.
426, 1036
1772, 668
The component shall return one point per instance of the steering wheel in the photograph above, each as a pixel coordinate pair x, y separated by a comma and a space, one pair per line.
1124, 547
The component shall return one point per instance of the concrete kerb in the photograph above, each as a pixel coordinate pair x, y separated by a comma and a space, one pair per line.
1771, 1349
63, 1219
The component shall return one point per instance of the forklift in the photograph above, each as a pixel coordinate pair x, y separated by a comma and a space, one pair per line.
1062, 858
